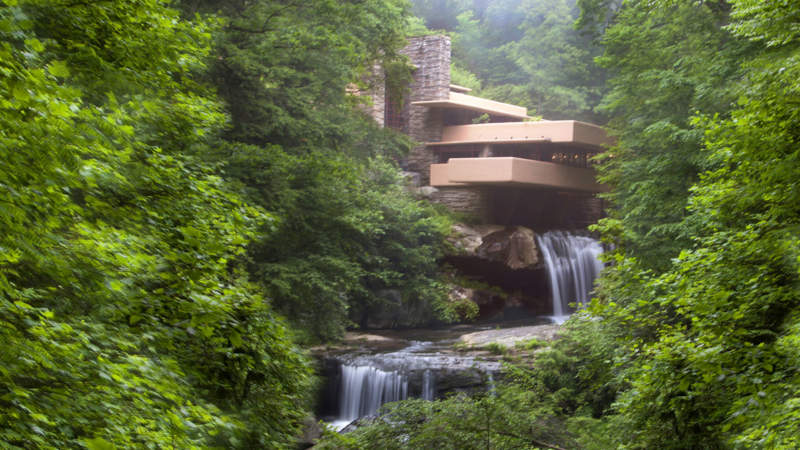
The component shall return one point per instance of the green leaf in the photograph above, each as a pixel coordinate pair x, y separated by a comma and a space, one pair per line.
98, 444
58, 69
34, 44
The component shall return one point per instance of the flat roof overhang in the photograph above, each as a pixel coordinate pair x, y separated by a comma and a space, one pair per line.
554, 131
459, 100
457, 88
513, 172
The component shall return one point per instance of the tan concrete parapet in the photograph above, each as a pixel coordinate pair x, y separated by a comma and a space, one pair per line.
556, 131
459, 100
440, 176
514, 171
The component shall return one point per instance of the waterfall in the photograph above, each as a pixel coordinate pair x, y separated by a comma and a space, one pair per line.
572, 265
359, 384
428, 385
365, 389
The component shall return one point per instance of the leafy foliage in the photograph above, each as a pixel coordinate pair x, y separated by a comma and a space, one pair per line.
706, 337
351, 237
351, 241
561, 80
460, 422
666, 63
125, 318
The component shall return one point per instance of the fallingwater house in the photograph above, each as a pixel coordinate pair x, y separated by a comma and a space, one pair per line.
510, 169
524, 180
519, 176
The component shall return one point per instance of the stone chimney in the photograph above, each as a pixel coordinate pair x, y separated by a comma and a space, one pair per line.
431, 56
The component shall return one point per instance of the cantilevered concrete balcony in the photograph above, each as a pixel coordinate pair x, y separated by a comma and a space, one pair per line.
513, 172
553, 131
459, 100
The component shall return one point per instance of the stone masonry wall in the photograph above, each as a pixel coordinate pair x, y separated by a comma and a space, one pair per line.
591, 210
377, 93
474, 201
431, 56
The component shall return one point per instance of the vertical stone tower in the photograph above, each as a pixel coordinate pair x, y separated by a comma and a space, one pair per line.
431, 57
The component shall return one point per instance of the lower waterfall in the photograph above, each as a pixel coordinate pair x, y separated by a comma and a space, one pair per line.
359, 384
572, 265
428, 385
364, 389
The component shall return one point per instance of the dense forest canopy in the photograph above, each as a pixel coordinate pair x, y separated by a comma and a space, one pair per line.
127, 317
189, 194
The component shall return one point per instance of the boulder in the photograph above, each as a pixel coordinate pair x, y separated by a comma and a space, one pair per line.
490, 302
510, 336
515, 247
504, 259
459, 294
467, 238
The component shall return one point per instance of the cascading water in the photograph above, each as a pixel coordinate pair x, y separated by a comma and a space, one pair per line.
364, 389
364, 382
428, 385
572, 265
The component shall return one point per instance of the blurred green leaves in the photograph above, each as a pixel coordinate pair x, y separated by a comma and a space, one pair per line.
125, 318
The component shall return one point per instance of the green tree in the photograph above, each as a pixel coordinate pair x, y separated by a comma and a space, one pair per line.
349, 236
707, 339
666, 62
556, 60
478, 49
439, 14
125, 317
739, 287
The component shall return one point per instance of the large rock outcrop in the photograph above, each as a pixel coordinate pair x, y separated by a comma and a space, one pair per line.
506, 264
513, 246
467, 238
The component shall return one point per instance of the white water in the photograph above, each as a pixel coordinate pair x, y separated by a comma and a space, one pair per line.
428, 385
572, 265
368, 381
364, 389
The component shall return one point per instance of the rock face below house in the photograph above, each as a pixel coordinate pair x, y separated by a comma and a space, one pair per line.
515, 247
467, 238
496, 267
502, 270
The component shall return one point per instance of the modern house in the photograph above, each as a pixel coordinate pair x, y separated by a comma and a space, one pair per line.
490, 159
